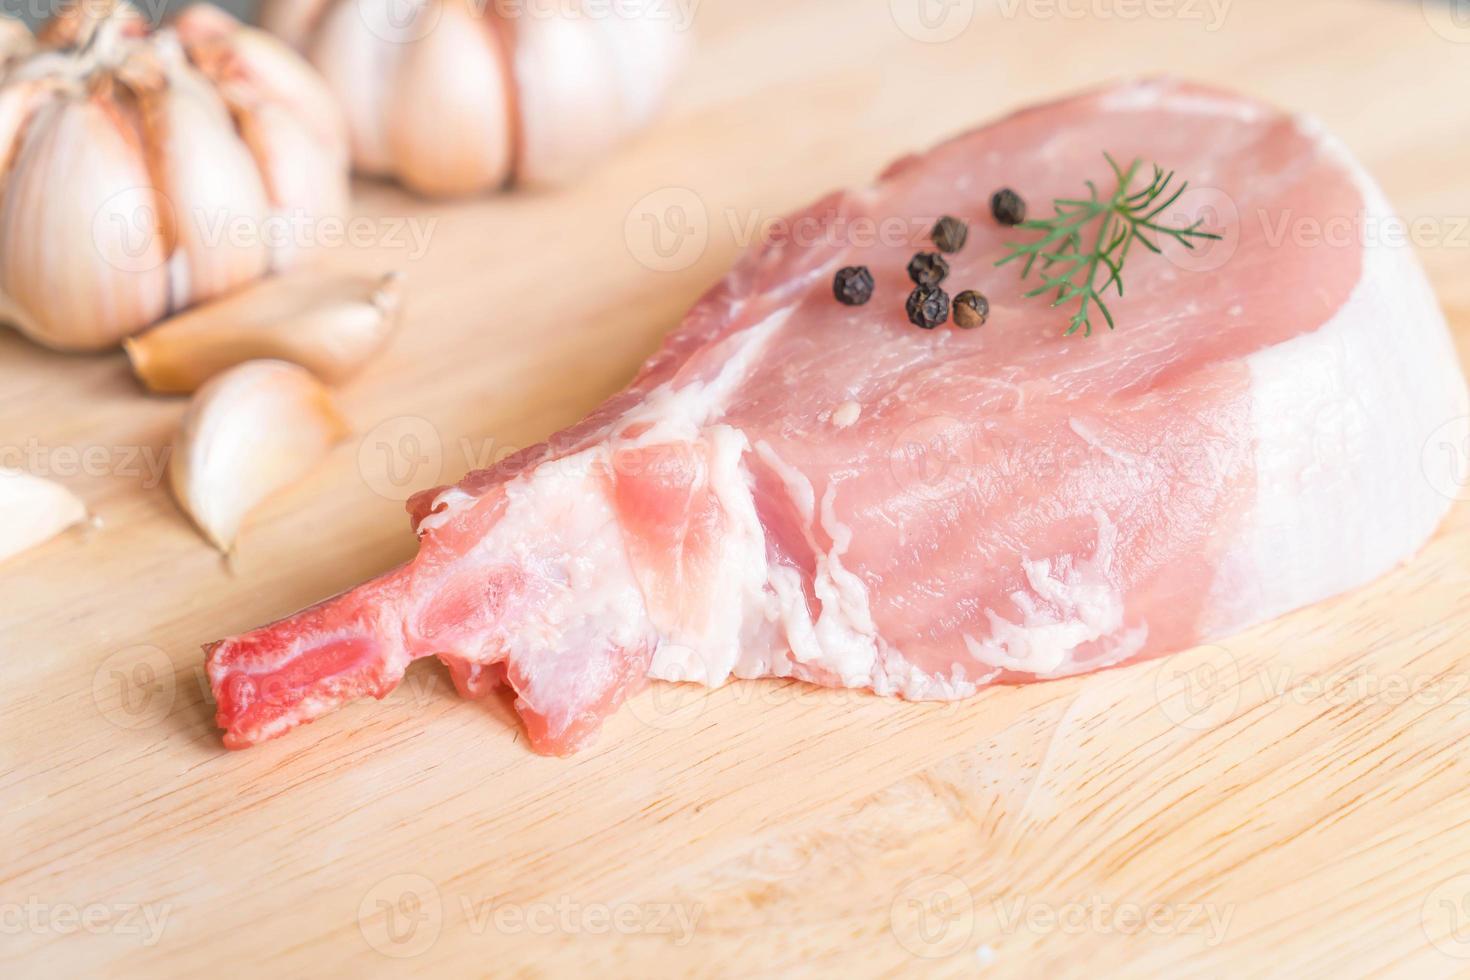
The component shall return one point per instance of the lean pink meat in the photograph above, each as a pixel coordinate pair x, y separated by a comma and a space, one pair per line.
793, 487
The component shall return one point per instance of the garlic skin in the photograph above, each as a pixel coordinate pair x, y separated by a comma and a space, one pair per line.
64, 283
453, 97
247, 434
329, 324
33, 510
146, 172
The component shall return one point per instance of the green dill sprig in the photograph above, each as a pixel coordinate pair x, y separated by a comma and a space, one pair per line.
1071, 268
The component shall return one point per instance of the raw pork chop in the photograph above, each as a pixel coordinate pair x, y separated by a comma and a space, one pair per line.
796, 488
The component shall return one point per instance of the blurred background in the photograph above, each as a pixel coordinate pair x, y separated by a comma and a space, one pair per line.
36, 12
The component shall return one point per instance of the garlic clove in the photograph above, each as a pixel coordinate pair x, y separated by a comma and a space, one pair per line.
18, 103
214, 191
568, 112
358, 63
329, 324
75, 24
84, 257
286, 115
647, 53
303, 184
33, 510
16, 40
247, 434
449, 115
292, 20
585, 83
251, 67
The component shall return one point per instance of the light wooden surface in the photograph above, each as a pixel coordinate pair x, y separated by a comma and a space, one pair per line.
1292, 801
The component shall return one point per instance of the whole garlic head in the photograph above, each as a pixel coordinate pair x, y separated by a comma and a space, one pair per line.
459, 96
144, 172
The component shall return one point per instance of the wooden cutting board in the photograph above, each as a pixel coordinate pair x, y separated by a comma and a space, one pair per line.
1293, 800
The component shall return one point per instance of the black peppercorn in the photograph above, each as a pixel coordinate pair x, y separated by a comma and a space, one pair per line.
928, 268
970, 309
1008, 207
949, 234
928, 307
853, 285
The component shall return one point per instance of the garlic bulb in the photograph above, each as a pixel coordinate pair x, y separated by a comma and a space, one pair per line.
248, 433
144, 173
329, 324
33, 510
459, 96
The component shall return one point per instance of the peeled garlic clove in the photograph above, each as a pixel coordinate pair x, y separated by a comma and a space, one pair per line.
329, 324
449, 115
84, 256
248, 433
33, 510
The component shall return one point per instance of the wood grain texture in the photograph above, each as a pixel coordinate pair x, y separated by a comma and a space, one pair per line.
1292, 801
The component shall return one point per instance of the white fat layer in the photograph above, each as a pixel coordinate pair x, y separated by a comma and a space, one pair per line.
1072, 602
562, 529
1341, 416
846, 414
446, 506
681, 413
1151, 94
706, 643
